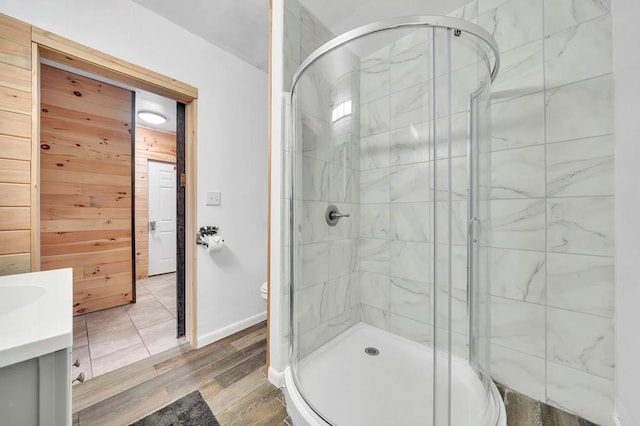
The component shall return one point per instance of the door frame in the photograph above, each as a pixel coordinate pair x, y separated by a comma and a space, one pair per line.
64, 51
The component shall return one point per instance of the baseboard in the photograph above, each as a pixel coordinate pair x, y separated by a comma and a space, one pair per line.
276, 377
221, 333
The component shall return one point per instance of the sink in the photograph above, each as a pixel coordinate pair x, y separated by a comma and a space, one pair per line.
17, 296
35, 314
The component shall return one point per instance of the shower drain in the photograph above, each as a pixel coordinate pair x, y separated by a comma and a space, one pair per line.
371, 351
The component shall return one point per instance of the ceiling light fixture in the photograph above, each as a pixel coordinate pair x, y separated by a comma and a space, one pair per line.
152, 117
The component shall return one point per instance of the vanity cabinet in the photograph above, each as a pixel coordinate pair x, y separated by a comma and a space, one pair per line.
37, 392
36, 335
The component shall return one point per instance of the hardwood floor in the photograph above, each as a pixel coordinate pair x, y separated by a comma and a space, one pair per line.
230, 374
524, 411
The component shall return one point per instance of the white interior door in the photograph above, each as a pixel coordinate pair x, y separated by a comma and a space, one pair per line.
162, 218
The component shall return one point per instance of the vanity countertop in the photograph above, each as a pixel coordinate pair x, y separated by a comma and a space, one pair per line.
35, 314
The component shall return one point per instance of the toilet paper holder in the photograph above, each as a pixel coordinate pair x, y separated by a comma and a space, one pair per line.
205, 231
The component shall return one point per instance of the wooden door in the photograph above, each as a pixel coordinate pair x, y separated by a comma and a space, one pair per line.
86, 187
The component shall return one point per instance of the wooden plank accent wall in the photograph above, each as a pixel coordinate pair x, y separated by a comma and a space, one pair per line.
86, 187
156, 146
15, 146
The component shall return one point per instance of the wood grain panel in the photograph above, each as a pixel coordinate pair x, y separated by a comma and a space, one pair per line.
62, 189
93, 237
90, 100
15, 242
14, 148
156, 146
81, 247
14, 124
15, 194
86, 195
15, 31
71, 225
83, 259
15, 54
61, 119
15, 171
104, 268
70, 138
97, 286
95, 303
15, 263
15, 78
117, 167
83, 212
12, 218
15, 100
54, 175
103, 200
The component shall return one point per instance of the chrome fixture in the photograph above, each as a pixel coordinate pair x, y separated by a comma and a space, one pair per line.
333, 215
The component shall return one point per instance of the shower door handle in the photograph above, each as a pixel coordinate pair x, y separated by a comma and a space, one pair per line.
473, 238
474, 230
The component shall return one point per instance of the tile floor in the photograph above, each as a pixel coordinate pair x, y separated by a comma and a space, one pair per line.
106, 340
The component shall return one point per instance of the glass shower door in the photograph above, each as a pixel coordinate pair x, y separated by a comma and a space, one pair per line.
460, 254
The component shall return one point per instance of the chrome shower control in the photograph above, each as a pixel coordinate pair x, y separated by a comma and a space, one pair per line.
333, 215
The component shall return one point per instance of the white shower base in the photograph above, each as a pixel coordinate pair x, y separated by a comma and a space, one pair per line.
351, 388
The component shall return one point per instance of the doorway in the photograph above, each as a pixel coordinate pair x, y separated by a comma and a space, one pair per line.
96, 164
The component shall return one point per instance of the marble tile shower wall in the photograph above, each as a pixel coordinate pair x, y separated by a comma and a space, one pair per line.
552, 202
394, 188
328, 289
397, 186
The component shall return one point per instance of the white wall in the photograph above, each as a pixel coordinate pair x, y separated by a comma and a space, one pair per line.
626, 34
232, 139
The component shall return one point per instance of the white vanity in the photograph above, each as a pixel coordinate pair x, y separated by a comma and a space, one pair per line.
36, 336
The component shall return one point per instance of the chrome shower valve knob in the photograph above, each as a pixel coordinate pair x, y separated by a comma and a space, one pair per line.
333, 215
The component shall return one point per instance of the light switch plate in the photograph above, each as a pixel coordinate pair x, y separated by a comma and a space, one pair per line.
213, 198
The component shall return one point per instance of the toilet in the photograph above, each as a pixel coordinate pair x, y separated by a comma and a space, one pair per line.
264, 292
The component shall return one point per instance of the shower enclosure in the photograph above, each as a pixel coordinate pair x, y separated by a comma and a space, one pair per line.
389, 285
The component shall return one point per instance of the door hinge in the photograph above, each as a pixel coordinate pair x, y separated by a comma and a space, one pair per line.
183, 179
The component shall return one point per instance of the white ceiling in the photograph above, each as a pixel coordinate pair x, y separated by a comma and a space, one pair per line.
241, 27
